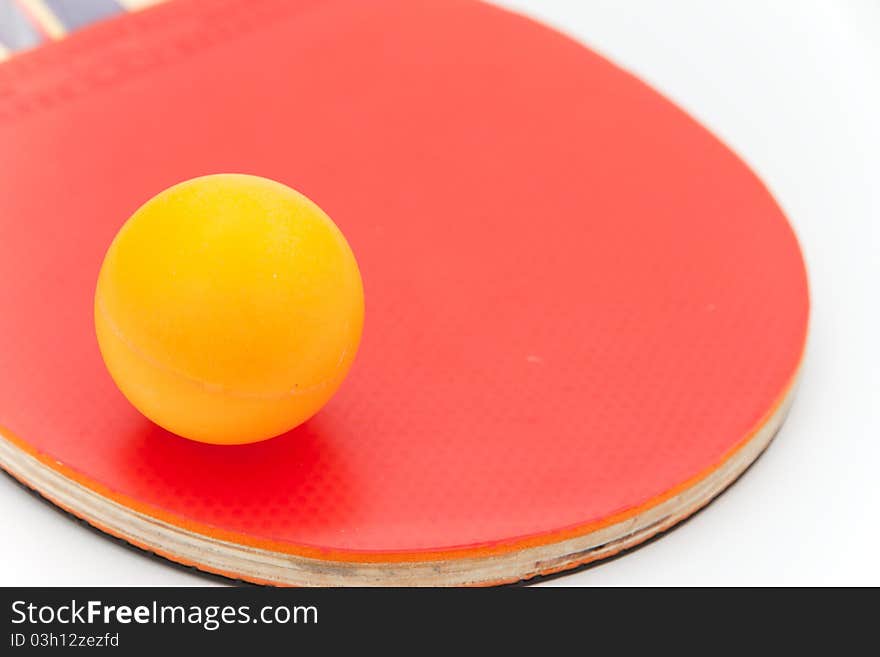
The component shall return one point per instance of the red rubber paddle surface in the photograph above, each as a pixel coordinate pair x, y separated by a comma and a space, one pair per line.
577, 298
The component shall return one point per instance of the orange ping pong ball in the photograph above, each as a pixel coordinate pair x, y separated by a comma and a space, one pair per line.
229, 309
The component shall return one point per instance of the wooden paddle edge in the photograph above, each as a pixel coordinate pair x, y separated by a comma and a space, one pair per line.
258, 565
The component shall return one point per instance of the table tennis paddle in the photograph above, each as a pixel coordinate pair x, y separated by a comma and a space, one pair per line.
585, 314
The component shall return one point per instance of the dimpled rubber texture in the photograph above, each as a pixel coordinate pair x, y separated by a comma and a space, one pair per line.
577, 299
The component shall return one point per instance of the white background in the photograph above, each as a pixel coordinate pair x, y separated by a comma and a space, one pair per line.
794, 88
